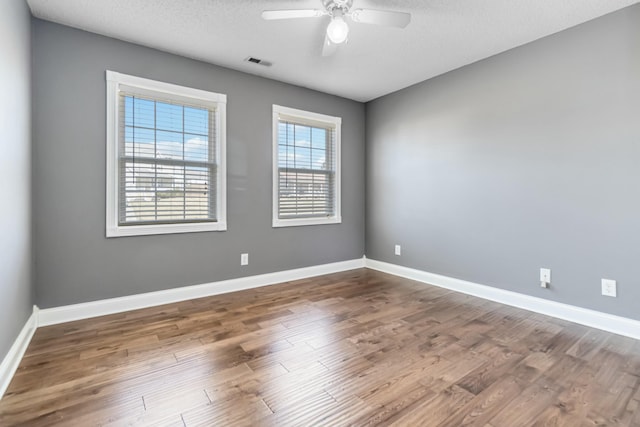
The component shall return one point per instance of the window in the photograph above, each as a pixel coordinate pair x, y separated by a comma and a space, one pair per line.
306, 168
165, 158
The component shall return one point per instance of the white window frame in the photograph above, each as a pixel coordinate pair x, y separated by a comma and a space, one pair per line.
181, 94
306, 118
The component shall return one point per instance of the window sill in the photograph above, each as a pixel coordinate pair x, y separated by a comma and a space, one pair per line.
305, 221
145, 230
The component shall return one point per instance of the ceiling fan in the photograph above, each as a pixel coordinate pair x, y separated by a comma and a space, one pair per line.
338, 29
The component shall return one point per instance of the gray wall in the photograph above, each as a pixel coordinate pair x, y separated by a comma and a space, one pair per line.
76, 263
15, 171
527, 159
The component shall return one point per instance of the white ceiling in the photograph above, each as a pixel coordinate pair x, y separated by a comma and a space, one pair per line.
443, 35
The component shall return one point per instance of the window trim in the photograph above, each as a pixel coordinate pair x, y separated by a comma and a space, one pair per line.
309, 118
180, 93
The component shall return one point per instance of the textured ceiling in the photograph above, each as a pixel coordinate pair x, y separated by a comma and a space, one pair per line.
443, 35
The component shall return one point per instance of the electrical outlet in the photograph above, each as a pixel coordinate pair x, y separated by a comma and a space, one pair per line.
244, 259
545, 277
609, 288
398, 250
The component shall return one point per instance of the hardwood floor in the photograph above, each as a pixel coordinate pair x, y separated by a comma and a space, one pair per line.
354, 348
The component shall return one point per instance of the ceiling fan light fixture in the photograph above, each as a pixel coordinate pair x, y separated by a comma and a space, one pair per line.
337, 30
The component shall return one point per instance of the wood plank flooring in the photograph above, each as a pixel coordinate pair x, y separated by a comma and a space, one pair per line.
355, 348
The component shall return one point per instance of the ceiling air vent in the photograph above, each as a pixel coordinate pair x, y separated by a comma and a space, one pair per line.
258, 61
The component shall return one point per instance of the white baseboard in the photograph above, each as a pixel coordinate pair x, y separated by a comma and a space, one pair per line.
12, 360
68, 313
595, 319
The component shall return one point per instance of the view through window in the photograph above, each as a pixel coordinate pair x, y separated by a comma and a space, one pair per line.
307, 157
165, 158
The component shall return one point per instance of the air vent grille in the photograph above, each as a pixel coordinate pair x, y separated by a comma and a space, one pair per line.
258, 61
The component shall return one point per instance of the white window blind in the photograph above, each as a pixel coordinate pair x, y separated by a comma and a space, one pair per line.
306, 168
167, 158
167, 161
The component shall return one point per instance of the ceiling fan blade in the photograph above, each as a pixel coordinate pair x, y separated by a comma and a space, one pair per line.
328, 48
381, 17
290, 14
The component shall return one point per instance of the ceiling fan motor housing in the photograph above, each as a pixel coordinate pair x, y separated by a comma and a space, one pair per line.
343, 5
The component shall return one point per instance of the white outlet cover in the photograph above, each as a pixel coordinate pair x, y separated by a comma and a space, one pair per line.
545, 275
398, 250
609, 288
244, 259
